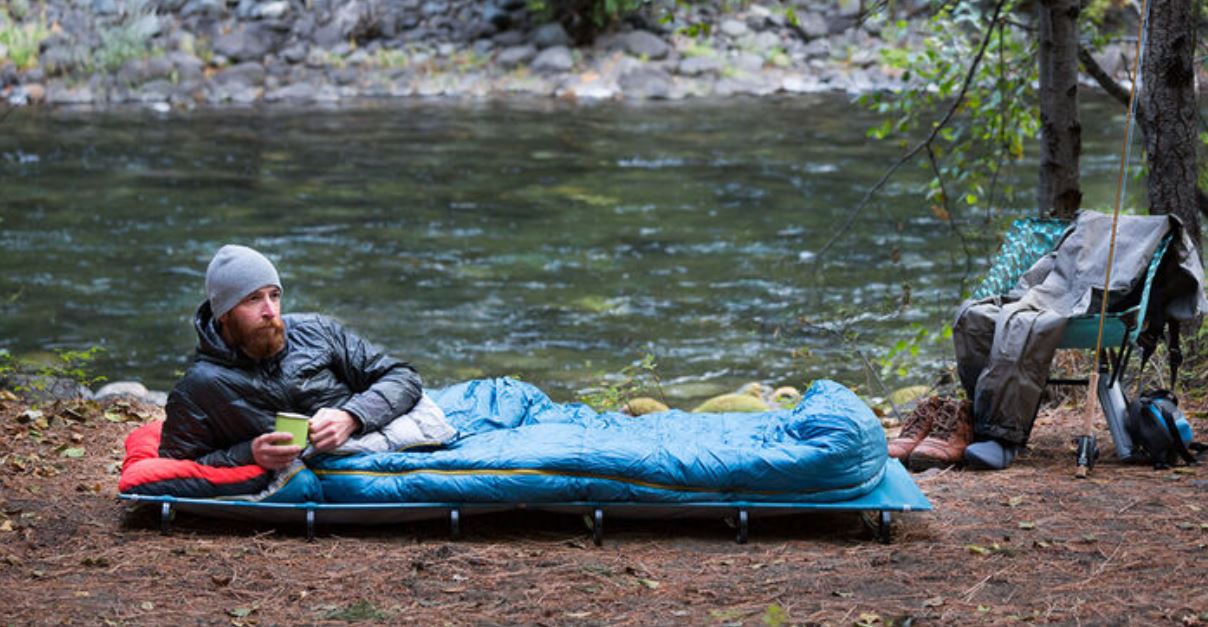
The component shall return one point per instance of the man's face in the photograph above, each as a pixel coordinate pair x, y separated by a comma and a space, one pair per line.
254, 326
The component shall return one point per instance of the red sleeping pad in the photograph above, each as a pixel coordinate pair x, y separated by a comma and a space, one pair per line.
145, 472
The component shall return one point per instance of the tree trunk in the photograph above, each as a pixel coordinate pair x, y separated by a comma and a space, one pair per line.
1058, 194
1168, 99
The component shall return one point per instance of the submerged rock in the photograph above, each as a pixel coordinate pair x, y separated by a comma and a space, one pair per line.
643, 405
726, 403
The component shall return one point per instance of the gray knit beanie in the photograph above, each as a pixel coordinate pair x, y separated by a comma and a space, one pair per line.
235, 272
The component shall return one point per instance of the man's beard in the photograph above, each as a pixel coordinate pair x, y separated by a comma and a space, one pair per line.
259, 342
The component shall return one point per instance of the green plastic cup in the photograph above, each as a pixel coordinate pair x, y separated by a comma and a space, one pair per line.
296, 425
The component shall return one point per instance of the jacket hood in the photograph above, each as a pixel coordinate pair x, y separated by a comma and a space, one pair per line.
210, 344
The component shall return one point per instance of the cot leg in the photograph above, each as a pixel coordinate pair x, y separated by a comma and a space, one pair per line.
597, 527
310, 525
165, 518
883, 521
743, 519
455, 523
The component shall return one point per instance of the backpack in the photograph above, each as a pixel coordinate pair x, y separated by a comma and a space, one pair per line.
1159, 431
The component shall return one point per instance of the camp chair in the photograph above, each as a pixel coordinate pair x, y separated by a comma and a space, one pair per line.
1029, 239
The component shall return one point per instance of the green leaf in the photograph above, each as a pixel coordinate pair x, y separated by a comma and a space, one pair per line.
74, 452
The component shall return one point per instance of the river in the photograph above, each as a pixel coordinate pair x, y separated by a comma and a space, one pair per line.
553, 242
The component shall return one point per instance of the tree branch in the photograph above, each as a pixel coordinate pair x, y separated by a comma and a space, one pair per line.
926, 143
1107, 83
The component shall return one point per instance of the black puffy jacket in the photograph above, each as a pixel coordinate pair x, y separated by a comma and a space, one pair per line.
226, 399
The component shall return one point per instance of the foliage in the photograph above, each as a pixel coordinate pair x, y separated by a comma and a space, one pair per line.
73, 365
903, 356
641, 378
998, 116
126, 40
21, 40
584, 19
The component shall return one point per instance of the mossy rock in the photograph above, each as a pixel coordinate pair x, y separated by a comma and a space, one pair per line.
643, 405
786, 397
904, 396
727, 403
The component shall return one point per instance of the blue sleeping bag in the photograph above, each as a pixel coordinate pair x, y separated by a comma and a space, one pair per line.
515, 445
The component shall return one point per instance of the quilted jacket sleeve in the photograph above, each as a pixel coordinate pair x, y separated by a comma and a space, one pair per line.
384, 388
188, 434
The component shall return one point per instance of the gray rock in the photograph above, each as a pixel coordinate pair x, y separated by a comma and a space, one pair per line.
243, 74
344, 76
295, 53
763, 43
801, 84
695, 66
248, 43
646, 83
139, 71
45, 389
187, 66
432, 8
272, 10
509, 38
640, 43
516, 55
756, 85
484, 47
817, 49
59, 92
556, 59
747, 62
105, 7
812, 24
129, 389
733, 28
63, 59
550, 35
203, 8
497, 17
296, 93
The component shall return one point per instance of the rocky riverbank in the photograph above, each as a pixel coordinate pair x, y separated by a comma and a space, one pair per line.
184, 53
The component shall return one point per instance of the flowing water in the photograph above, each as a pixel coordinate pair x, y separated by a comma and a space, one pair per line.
547, 241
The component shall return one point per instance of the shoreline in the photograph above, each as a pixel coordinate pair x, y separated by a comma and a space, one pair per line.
208, 53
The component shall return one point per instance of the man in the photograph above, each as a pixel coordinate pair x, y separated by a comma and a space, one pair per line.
251, 362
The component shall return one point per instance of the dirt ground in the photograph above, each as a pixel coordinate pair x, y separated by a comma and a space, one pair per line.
1030, 544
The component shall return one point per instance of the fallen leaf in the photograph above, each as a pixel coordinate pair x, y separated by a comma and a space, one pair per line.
113, 416
221, 580
842, 594
1015, 501
1186, 526
649, 583
147, 606
96, 562
240, 612
455, 590
933, 602
6, 526
867, 619
1027, 525
73, 452
1042, 544
980, 550
983, 608
577, 615
5, 395
1090, 538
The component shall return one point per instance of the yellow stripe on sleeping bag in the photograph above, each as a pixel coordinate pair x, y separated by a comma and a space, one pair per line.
536, 472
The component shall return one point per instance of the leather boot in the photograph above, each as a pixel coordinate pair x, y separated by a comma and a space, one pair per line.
915, 428
945, 444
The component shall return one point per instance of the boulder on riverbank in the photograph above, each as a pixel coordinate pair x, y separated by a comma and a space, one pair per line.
190, 52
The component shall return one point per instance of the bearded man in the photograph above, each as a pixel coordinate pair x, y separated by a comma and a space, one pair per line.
251, 362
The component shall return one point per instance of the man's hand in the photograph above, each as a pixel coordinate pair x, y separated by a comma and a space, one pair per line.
329, 428
272, 456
